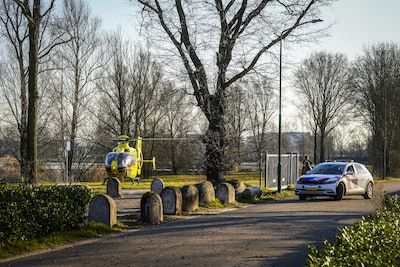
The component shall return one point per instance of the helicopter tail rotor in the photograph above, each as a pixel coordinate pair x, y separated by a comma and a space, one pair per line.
150, 161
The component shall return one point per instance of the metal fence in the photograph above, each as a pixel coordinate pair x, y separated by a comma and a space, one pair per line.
289, 171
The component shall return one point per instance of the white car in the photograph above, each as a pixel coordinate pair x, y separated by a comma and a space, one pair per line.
336, 179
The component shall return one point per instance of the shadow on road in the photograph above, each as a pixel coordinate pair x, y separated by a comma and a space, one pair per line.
267, 234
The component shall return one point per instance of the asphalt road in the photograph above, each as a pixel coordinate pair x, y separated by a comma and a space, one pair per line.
269, 234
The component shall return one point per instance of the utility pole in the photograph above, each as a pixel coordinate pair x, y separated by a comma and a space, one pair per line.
280, 120
280, 105
384, 133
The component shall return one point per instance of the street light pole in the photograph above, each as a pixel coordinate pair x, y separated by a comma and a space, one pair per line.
280, 105
280, 120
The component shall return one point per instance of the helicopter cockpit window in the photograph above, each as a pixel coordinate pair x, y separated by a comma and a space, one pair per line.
125, 160
110, 157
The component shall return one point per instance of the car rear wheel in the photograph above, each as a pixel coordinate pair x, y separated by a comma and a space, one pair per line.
302, 197
369, 191
340, 191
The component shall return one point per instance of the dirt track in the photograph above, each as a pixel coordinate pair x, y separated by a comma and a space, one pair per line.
270, 234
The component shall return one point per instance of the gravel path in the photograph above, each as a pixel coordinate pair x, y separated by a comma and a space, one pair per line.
268, 234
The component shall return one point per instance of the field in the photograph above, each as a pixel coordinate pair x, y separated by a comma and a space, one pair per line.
249, 178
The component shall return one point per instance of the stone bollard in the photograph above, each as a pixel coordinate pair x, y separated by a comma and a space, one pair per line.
102, 209
171, 200
206, 192
157, 185
239, 188
190, 197
151, 208
113, 187
225, 193
252, 192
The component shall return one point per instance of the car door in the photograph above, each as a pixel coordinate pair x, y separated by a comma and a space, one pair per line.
352, 181
362, 176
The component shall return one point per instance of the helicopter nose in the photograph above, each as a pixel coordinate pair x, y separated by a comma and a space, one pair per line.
114, 165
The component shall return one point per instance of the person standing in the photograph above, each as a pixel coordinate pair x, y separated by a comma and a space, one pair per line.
307, 165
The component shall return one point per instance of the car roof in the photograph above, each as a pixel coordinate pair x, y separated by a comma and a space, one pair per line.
339, 163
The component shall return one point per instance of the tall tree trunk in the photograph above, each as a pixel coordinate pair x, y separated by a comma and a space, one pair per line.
75, 113
322, 147
315, 146
72, 137
215, 140
33, 104
173, 159
23, 118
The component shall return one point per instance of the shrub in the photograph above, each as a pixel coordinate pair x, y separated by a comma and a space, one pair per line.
373, 241
34, 211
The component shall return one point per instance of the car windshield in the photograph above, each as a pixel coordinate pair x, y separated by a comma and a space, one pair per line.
125, 159
328, 169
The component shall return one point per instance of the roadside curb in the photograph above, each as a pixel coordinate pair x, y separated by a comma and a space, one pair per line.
114, 235
66, 246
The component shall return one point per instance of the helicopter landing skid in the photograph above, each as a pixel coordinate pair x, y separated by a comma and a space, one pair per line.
137, 180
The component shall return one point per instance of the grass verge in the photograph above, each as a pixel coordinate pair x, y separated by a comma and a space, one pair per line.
268, 195
92, 230
216, 204
285, 194
386, 180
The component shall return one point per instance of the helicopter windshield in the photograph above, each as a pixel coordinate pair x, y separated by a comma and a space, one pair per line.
109, 158
125, 160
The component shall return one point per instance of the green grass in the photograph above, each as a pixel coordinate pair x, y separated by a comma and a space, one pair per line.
91, 230
216, 204
285, 194
250, 179
269, 195
386, 180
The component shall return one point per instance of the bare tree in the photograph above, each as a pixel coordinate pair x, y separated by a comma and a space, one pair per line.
322, 82
377, 91
80, 60
35, 13
176, 124
15, 30
260, 107
196, 26
129, 89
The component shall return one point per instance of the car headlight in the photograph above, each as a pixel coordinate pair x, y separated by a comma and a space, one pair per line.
327, 181
301, 181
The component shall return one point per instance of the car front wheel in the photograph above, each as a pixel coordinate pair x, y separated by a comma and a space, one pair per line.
369, 191
339, 191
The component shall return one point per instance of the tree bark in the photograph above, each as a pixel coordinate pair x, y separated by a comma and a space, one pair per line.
322, 147
315, 146
33, 106
215, 140
24, 114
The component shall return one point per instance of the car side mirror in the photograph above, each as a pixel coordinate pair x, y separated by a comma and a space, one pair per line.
308, 172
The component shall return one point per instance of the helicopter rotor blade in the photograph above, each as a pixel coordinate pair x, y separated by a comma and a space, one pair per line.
166, 139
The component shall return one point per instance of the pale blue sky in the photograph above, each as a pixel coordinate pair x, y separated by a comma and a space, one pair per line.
356, 23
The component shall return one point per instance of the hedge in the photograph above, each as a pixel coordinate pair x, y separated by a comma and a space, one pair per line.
34, 211
373, 241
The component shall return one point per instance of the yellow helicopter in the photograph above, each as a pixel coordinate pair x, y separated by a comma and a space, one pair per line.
125, 161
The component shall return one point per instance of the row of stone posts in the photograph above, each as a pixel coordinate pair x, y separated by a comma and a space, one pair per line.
172, 201
163, 200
